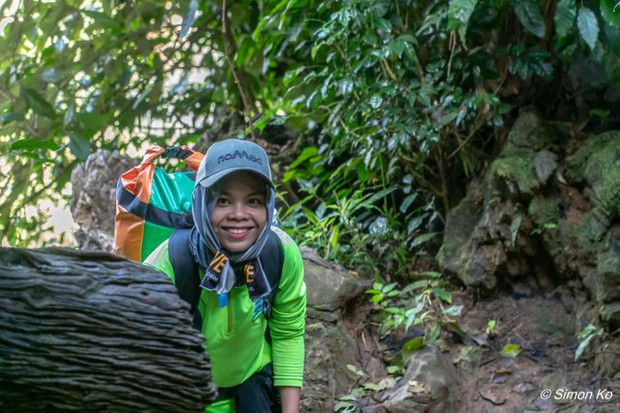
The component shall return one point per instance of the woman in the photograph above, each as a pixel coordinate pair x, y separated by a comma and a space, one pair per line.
254, 337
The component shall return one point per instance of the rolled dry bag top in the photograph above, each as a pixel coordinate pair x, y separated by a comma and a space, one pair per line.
151, 203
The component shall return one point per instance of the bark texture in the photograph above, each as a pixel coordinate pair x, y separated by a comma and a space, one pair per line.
86, 331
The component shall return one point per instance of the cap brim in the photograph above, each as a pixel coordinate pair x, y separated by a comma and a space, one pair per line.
212, 180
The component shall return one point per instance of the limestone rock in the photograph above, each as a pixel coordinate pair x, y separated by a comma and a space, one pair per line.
93, 332
330, 286
429, 385
542, 214
93, 200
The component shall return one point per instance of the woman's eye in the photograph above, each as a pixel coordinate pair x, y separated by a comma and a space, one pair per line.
222, 201
256, 201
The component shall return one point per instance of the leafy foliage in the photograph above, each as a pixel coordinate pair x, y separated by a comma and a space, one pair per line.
398, 102
411, 98
423, 302
78, 76
585, 336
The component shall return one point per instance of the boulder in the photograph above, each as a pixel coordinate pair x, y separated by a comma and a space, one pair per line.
429, 384
93, 200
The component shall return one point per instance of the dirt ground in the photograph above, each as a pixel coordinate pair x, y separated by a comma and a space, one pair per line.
543, 376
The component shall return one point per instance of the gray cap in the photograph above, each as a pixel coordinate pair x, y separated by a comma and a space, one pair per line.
232, 155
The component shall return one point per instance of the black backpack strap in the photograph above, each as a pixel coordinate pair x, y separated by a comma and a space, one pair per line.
272, 260
187, 278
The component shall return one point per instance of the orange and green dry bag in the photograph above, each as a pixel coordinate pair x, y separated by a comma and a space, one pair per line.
151, 203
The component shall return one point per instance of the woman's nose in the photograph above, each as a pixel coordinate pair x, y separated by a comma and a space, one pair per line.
238, 211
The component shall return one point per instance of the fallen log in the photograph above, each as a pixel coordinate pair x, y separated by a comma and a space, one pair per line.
88, 331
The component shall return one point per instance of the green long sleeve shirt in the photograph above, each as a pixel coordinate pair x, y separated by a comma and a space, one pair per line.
235, 341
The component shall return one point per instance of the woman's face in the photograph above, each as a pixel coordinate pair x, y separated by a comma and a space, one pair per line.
240, 213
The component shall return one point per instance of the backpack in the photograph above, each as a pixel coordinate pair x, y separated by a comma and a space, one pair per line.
151, 203
153, 206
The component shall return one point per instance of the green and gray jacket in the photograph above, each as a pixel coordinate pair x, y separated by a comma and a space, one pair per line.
235, 341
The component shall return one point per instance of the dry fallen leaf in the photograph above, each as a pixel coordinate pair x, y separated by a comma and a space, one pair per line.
495, 399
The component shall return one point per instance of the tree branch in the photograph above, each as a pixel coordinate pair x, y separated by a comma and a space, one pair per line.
248, 105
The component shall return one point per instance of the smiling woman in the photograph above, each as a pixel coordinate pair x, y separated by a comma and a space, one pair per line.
251, 296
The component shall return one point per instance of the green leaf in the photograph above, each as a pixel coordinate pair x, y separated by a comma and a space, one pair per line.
412, 314
453, 311
431, 274
92, 122
582, 347
355, 370
415, 223
422, 239
306, 153
382, 24
459, 13
585, 336
433, 334
379, 195
37, 103
362, 172
511, 350
413, 345
394, 369
599, 113
268, 19
79, 146
396, 47
35, 144
514, 228
389, 287
69, 115
373, 387
564, 19
245, 51
409, 38
588, 26
610, 10
530, 16
335, 239
370, 39
344, 407
407, 202
442, 294
490, 326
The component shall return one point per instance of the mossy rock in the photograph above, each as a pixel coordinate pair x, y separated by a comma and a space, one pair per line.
597, 163
529, 132
544, 211
513, 176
